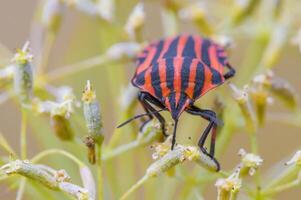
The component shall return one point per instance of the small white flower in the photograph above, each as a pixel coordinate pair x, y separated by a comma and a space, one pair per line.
232, 184
296, 159
240, 95
250, 161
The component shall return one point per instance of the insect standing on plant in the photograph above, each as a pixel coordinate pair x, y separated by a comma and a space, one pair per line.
173, 73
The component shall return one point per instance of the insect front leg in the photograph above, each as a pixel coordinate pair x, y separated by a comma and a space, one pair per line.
145, 99
230, 73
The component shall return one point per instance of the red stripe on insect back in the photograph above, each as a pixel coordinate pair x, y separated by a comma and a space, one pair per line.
197, 46
214, 60
178, 63
181, 45
192, 74
147, 61
148, 82
208, 80
165, 46
162, 74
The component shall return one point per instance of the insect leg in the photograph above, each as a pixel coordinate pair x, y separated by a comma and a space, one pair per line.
230, 73
213, 122
144, 99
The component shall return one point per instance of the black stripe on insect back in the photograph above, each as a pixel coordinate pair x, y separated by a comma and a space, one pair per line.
185, 71
170, 74
199, 80
159, 48
189, 48
216, 76
140, 79
156, 80
172, 49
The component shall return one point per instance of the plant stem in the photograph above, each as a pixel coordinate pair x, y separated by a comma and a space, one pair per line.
99, 173
77, 67
134, 187
282, 187
21, 189
23, 145
120, 150
56, 151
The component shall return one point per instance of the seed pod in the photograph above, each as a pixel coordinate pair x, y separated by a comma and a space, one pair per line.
92, 114
90, 143
52, 14
23, 79
61, 126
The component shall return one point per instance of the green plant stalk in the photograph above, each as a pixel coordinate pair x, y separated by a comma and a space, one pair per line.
5, 145
47, 46
281, 188
99, 173
23, 143
134, 187
21, 189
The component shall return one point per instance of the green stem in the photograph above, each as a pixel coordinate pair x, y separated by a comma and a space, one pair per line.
281, 188
21, 189
134, 188
23, 143
99, 173
57, 151
120, 150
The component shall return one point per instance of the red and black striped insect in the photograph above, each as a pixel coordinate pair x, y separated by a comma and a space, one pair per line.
173, 73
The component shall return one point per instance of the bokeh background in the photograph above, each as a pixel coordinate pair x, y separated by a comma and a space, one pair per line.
82, 36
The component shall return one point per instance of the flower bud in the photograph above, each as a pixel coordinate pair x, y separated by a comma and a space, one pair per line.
92, 114
229, 187
249, 162
135, 21
242, 98
23, 79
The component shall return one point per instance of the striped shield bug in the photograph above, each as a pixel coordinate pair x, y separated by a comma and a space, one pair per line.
173, 73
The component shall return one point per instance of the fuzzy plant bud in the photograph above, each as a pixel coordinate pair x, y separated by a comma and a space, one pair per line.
135, 21
196, 13
48, 177
228, 188
6, 76
92, 114
123, 50
249, 162
52, 14
242, 99
295, 160
23, 75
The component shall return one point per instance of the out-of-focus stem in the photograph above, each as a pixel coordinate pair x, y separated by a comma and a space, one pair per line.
48, 152
134, 187
77, 67
169, 20
281, 188
23, 143
120, 150
99, 173
48, 44
21, 189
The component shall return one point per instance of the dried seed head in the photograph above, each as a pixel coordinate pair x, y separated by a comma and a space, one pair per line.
61, 127
92, 114
250, 162
90, 143
295, 160
229, 187
52, 14
135, 21
23, 75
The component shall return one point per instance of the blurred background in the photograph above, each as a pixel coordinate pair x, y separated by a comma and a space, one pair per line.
82, 36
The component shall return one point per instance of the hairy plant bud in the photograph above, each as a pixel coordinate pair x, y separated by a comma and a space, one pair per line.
23, 75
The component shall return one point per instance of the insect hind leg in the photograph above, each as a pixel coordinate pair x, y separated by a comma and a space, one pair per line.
144, 99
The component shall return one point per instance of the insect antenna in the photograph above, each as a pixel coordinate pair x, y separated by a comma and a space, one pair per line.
138, 116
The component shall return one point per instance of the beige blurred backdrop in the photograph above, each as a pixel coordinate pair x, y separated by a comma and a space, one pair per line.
276, 140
